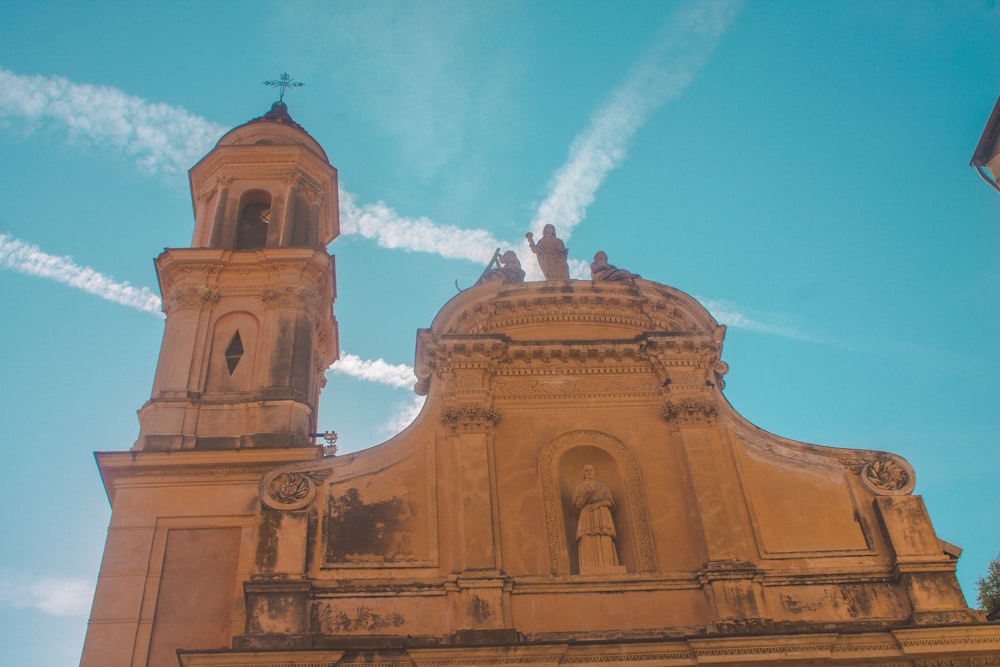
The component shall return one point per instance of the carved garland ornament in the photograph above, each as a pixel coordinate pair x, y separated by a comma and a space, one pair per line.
691, 412
469, 417
290, 297
190, 297
291, 487
547, 463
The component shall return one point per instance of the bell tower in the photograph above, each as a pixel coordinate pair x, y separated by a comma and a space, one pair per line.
250, 328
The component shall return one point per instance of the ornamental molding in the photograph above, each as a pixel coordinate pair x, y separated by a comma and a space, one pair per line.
691, 411
281, 267
548, 472
469, 418
303, 298
182, 298
287, 168
444, 357
291, 487
557, 309
644, 307
982, 661
570, 386
756, 648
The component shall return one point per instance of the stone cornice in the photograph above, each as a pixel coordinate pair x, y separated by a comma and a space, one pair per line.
964, 646
268, 161
137, 467
199, 278
644, 367
539, 330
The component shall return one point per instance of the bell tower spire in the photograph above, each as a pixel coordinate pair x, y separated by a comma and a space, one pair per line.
250, 328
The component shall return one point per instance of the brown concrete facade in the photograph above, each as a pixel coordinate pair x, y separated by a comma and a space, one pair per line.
576, 490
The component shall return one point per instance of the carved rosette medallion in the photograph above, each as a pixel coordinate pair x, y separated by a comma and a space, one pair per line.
887, 475
691, 412
291, 487
465, 418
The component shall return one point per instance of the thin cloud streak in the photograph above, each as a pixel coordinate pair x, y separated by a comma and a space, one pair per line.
28, 259
729, 314
159, 138
55, 596
660, 77
377, 370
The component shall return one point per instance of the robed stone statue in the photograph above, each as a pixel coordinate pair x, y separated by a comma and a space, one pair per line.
595, 531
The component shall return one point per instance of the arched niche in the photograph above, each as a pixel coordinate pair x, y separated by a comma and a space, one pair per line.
254, 220
233, 354
560, 467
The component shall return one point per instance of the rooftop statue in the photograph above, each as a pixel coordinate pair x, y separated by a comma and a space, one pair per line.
505, 268
601, 270
551, 254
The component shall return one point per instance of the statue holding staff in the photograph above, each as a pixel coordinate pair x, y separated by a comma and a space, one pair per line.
505, 268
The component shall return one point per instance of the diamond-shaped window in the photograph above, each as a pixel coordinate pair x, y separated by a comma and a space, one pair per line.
234, 352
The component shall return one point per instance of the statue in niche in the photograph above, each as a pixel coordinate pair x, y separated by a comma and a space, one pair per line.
551, 254
595, 531
601, 270
505, 268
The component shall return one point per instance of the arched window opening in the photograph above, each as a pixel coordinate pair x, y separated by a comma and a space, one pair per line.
254, 220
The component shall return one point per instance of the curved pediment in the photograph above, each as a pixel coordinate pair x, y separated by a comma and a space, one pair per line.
573, 310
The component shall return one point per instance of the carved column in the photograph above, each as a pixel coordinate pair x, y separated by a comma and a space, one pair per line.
728, 576
470, 443
478, 594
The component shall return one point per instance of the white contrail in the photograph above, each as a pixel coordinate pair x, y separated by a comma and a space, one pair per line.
28, 259
25, 258
380, 222
378, 370
160, 138
660, 77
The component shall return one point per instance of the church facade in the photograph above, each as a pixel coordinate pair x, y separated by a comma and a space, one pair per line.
576, 489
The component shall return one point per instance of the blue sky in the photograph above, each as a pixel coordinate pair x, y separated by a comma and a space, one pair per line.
800, 167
